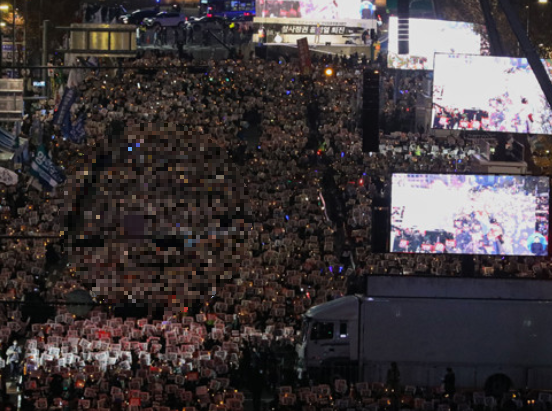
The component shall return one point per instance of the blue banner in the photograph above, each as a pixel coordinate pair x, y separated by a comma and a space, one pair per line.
63, 111
45, 170
7, 140
74, 131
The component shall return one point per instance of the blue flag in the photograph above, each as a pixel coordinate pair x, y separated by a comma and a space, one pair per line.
64, 110
45, 170
7, 140
74, 131
66, 126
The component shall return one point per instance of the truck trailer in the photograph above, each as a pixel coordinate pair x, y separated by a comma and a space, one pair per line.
492, 332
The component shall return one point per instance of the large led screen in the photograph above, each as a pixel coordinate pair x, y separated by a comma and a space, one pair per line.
469, 214
498, 94
316, 9
427, 37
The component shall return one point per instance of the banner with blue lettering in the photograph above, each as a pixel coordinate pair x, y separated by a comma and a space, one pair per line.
63, 111
44, 169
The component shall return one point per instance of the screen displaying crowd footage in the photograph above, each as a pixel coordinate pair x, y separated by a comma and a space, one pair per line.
427, 37
320, 10
469, 214
499, 94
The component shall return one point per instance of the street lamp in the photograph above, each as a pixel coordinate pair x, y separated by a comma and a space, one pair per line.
3, 7
13, 39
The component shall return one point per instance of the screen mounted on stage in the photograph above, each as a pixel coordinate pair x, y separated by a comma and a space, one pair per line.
427, 37
321, 10
469, 214
499, 94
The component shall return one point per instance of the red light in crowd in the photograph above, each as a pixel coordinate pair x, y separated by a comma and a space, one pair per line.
209, 15
361, 182
319, 152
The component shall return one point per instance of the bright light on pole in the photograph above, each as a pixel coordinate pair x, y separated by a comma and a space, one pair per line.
3, 7
14, 10
543, 1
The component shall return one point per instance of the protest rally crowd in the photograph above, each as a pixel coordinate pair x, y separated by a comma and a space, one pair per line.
310, 190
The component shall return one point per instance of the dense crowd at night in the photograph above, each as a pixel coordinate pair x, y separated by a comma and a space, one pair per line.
303, 248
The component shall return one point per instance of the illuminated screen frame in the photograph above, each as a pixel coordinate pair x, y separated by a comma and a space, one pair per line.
484, 93
315, 10
461, 214
430, 36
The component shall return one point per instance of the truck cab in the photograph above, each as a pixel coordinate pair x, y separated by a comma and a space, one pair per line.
330, 333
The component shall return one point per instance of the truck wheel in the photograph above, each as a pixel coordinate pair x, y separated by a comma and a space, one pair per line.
497, 385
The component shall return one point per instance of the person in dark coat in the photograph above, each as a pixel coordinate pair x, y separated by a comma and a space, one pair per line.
393, 377
449, 382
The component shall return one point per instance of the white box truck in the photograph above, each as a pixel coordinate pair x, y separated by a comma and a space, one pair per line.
492, 332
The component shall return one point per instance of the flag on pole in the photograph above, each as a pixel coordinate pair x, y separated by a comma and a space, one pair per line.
66, 126
44, 169
64, 109
304, 56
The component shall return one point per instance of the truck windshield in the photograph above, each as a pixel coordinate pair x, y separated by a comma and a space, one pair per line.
322, 331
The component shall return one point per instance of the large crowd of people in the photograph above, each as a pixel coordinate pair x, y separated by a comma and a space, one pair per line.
297, 146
